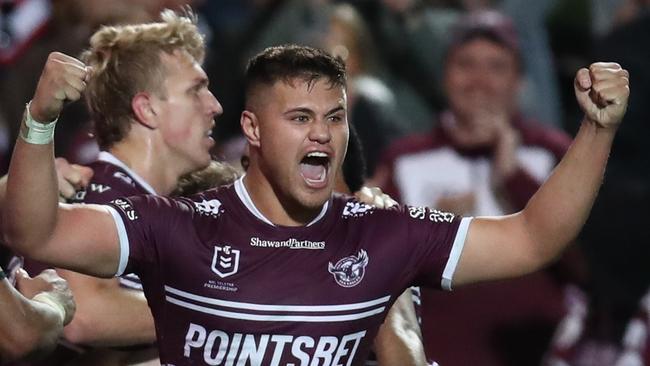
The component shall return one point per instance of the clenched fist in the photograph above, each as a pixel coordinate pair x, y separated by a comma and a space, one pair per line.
63, 80
602, 92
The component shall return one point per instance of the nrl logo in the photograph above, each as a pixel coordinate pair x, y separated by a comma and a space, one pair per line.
225, 261
349, 271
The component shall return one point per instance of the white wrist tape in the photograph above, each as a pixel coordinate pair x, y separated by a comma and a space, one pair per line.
47, 299
34, 132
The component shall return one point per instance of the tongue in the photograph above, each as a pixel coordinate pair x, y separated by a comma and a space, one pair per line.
312, 172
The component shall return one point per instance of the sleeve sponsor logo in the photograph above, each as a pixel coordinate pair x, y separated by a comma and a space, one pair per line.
126, 207
218, 347
423, 213
290, 243
349, 271
225, 261
210, 208
356, 209
80, 196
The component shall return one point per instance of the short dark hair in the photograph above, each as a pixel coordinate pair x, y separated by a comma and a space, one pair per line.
354, 164
289, 62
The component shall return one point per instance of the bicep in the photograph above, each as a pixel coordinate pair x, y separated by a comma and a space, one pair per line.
496, 248
85, 239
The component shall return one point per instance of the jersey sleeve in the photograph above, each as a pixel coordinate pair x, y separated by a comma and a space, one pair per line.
146, 225
435, 243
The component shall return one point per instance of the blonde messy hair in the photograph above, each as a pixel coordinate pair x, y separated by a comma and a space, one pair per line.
126, 61
214, 175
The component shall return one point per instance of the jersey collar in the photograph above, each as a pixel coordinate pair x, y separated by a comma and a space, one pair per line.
107, 157
245, 198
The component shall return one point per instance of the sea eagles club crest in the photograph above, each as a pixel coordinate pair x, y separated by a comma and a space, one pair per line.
225, 261
349, 271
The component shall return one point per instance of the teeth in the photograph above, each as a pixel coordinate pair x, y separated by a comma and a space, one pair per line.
317, 154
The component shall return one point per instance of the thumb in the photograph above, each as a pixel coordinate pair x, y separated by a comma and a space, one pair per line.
85, 174
21, 277
582, 81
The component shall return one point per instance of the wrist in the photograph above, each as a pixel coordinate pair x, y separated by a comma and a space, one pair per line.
35, 132
48, 299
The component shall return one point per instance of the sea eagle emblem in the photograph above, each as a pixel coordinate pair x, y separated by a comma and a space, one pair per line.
349, 271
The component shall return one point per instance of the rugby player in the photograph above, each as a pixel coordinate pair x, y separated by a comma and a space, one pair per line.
275, 269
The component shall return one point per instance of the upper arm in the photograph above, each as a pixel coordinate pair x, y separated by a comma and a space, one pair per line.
496, 248
84, 239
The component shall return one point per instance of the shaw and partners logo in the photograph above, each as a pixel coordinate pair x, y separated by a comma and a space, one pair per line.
225, 261
349, 271
290, 243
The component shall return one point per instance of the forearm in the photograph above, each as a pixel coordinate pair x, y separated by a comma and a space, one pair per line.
556, 213
399, 341
31, 197
29, 327
107, 314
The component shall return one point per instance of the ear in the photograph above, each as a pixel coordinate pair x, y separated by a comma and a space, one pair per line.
250, 127
143, 107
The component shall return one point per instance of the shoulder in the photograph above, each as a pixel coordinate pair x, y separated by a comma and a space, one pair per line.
356, 211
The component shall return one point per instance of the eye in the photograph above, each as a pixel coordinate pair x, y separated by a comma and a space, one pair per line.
301, 118
335, 118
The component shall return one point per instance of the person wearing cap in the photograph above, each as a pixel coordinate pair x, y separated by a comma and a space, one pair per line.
488, 159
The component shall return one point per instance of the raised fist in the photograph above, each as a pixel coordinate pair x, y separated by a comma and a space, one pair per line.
602, 91
63, 80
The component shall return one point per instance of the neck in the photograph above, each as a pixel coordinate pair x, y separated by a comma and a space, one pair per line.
280, 211
143, 158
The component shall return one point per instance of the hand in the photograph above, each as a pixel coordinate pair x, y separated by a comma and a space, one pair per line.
375, 197
505, 161
48, 282
63, 80
71, 177
602, 91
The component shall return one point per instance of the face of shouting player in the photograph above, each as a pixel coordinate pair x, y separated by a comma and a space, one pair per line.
299, 140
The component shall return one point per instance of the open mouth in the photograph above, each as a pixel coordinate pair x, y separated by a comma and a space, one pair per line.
314, 168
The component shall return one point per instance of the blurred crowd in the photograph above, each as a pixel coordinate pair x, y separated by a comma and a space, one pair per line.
462, 105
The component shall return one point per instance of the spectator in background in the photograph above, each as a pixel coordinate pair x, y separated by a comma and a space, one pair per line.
487, 160
371, 104
413, 36
609, 321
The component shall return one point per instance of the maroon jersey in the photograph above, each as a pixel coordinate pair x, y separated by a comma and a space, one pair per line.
113, 179
227, 287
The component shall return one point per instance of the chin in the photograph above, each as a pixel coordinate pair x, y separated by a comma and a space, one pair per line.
315, 200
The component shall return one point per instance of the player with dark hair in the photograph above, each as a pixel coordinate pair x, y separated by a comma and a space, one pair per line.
275, 269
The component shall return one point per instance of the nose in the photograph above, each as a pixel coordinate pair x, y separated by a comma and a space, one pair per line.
319, 131
214, 107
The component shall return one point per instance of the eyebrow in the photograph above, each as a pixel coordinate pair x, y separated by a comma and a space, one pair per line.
300, 109
200, 82
335, 110
309, 111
